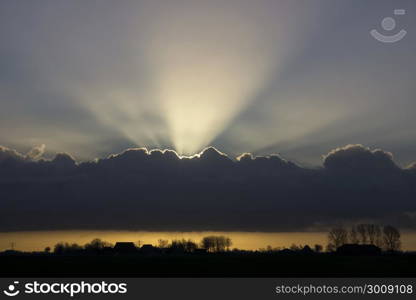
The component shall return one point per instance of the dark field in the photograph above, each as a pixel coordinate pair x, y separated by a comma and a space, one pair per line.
209, 265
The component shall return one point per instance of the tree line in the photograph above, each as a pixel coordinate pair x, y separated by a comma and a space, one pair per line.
387, 237
211, 244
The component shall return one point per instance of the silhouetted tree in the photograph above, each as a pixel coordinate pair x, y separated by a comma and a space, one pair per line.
366, 234
318, 248
295, 247
306, 250
208, 243
162, 243
228, 243
190, 246
47, 249
216, 243
337, 236
391, 238
66, 248
362, 233
96, 245
183, 245
353, 236
74, 247
59, 248
374, 234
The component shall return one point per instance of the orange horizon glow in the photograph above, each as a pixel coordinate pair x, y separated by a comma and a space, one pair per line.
38, 240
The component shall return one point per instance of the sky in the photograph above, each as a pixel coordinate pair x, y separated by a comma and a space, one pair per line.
299, 78
279, 116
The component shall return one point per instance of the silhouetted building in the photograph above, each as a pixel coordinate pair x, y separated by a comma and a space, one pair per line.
125, 247
355, 249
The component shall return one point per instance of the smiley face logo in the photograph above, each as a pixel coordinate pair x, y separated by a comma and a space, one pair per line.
11, 290
389, 24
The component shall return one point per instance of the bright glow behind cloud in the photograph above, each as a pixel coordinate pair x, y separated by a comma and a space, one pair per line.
206, 60
95, 77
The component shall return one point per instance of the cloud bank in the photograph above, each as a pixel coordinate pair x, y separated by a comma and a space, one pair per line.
158, 190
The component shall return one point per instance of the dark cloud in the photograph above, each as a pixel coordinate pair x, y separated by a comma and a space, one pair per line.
359, 158
7, 154
158, 190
